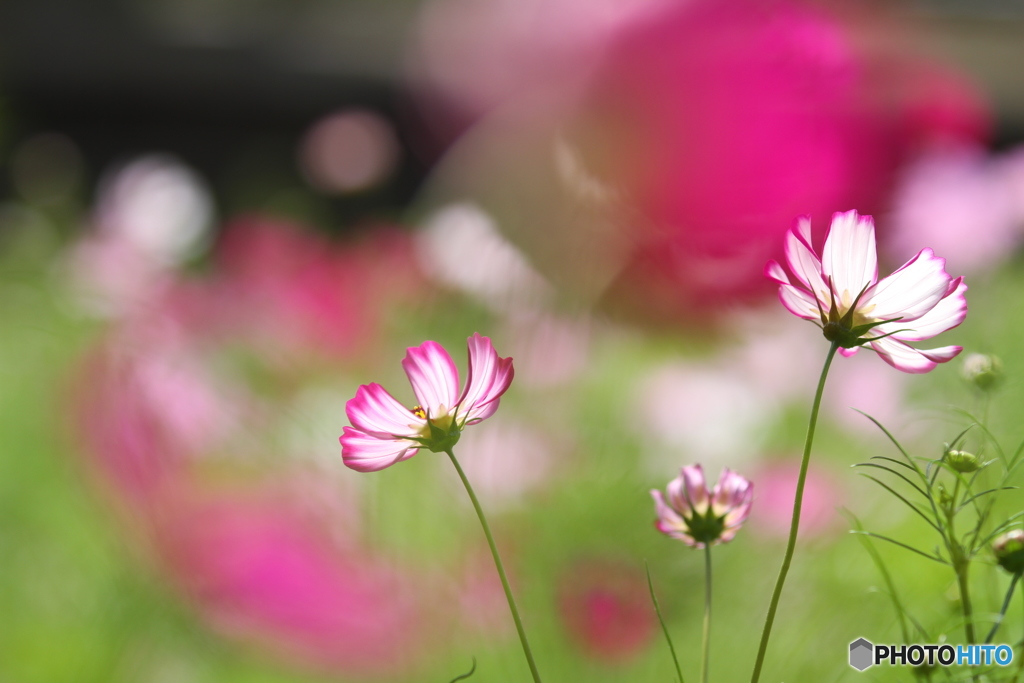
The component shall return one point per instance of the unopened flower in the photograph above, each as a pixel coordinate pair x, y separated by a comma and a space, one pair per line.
699, 517
384, 431
842, 293
963, 461
983, 371
1009, 551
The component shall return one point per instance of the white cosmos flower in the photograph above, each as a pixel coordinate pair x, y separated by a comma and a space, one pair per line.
841, 290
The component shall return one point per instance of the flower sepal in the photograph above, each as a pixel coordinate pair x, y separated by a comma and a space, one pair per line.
841, 330
706, 528
442, 439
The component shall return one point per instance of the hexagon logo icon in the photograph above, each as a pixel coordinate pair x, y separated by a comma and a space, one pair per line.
861, 652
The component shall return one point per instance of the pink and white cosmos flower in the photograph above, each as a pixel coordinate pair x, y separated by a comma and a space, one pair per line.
696, 516
854, 307
384, 431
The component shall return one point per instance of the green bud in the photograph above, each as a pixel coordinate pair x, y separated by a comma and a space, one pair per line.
1009, 551
963, 462
982, 371
945, 500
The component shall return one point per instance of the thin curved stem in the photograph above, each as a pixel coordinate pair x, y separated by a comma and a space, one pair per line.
794, 526
707, 615
500, 567
1002, 612
668, 638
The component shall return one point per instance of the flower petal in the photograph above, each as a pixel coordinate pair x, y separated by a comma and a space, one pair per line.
732, 496
376, 412
849, 258
433, 376
847, 353
797, 301
367, 453
911, 291
688, 492
669, 522
489, 378
804, 263
947, 314
908, 359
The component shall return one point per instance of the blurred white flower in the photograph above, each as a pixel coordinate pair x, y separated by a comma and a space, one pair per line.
460, 246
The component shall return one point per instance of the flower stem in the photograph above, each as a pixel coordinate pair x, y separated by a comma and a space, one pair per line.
795, 524
668, 638
707, 614
1002, 612
500, 567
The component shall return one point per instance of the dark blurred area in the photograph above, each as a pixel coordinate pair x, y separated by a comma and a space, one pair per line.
228, 87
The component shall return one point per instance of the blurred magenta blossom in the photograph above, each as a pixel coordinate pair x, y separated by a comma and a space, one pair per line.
605, 608
190, 425
260, 571
699, 517
842, 291
385, 432
657, 184
733, 116
295, 292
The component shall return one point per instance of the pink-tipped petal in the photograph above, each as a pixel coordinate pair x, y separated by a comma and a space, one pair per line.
376, 412
799, 303
367, 453
801, 257
911, 291
489, 378
908, 359
688, 491
947, 314
434, 377
669, 522
847, 353
731, 492
849, 257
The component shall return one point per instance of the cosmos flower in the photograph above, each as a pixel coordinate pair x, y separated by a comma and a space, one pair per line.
384, 431
842, 291
698, 517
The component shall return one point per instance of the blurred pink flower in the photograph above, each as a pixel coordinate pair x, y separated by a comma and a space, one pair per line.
284, 287
259, 571
722, 119
841, 289
776, 490
385, 432
606, 609
696, 516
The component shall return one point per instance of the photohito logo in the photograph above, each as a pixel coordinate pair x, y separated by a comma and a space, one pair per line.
864, 654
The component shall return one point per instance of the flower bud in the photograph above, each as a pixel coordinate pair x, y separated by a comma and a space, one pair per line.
963, 462
982, 371
1009, 551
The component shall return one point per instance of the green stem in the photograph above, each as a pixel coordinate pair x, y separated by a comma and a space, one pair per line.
707, 615
498, 564
1002, 612
795, 524
668, 638
1020, 668
961, 565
